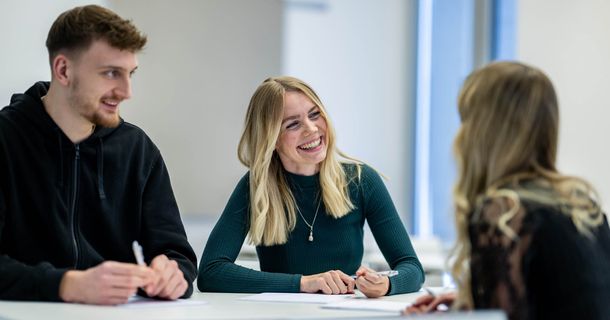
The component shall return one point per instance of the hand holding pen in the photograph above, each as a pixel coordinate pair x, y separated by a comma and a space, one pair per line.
373, 284
169, 282
108, 283
432, 302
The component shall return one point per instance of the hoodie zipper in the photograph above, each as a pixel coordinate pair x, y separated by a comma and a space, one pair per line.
73, 226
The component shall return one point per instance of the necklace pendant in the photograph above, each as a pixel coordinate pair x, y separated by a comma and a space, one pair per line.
310, 238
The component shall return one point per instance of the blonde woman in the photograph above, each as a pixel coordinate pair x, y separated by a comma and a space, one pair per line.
303, 205
530, 240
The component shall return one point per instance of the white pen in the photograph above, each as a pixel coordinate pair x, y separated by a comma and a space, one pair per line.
389, 273
137, 252
430, 292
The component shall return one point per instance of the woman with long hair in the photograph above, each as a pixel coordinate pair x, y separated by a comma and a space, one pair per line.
303, 204
530, 240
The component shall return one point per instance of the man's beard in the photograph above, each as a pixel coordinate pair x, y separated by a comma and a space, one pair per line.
101, 120
89, 109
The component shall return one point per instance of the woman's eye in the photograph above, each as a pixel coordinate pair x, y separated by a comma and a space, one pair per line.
292, 125
314, 115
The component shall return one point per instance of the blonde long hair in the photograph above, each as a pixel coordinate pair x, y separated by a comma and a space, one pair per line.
272, 204
509, 134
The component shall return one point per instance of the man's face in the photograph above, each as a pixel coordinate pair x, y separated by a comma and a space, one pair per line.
101, 80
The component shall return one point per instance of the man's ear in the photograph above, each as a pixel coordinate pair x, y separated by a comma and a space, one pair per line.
62, 69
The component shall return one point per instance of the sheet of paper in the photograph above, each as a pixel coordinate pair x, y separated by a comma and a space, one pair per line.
141, 302
368, 304
297, 297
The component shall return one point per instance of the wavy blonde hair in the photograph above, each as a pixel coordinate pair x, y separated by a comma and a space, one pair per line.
506, 148
272, 204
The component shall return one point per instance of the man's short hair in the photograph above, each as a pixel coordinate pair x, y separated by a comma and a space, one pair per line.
76, 29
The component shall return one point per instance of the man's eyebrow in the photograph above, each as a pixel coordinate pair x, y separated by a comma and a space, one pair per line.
111, 66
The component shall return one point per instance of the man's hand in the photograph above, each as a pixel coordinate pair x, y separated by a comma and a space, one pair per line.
169, 279
371, 284
330, 282
109, 282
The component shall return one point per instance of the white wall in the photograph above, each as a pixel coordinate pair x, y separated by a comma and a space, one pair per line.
23, 31
569, 40
203, 61
359, 57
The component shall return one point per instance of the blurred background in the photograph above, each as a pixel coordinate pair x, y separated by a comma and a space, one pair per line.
388, 72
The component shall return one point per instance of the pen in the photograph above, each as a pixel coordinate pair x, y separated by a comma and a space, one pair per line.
137, 252
389, 273
430, 292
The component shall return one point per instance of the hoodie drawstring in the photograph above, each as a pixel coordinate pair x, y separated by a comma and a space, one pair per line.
100, 169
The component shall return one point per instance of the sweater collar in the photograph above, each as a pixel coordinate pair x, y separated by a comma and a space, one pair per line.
302, 181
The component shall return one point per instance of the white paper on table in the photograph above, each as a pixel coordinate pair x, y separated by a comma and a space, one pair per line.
298, 297
141, 302
369, 305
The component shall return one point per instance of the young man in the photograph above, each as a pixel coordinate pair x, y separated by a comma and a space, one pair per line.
78, 184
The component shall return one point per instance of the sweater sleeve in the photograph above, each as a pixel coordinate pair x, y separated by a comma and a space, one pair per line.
20, 281
218, 271
162, 231
390, 234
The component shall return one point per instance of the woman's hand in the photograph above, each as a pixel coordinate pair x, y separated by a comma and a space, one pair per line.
330, 282
371, 284
430, 303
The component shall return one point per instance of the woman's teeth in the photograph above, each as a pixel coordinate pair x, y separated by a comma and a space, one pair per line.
311, 145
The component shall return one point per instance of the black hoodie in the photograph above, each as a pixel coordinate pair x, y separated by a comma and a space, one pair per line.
72, 206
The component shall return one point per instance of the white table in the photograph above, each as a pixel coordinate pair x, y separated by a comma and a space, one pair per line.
219, 306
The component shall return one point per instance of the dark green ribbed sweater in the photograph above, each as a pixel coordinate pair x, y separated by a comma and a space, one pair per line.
337, 245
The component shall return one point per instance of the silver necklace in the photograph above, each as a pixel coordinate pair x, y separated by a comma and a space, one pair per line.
310, 238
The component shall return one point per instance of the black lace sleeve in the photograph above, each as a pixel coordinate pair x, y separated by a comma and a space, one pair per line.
497, 259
